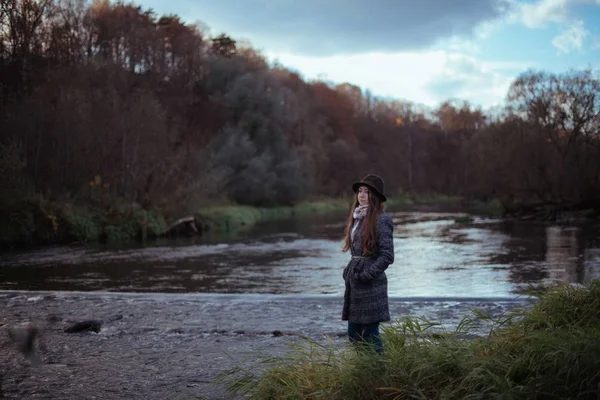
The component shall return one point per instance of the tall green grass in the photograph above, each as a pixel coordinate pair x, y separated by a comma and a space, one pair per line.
233, 217
550, 350
491, 207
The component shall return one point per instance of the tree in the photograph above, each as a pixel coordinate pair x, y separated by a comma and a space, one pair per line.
223, 46
563, 112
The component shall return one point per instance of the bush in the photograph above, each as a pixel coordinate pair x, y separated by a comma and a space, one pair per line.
83, 224
18, 224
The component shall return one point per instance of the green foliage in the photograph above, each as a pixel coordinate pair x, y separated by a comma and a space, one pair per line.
234, 217
83, 224
122, 223
491, 207
550, 350
263, 169
18, 224
98, 215
463, 219
321, 206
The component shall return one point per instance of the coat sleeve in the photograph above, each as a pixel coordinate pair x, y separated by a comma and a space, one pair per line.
385, 243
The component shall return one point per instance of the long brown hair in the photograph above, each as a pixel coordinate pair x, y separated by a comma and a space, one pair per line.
369, 239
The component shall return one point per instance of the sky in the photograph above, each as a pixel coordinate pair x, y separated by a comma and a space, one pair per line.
426, 52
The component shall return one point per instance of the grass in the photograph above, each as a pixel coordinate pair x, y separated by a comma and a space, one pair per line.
233, 217
550, 350
96, 215
465, 219
492, 207
122, 222
46, 222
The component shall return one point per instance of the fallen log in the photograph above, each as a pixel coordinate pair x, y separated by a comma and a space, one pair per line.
182, 226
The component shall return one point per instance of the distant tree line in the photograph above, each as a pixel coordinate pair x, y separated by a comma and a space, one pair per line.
165, 114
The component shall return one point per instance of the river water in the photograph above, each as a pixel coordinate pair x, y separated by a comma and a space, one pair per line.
436, 257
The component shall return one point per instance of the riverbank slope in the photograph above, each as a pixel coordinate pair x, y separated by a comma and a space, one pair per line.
40, 223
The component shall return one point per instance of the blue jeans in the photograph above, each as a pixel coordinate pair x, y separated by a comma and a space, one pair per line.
365, 333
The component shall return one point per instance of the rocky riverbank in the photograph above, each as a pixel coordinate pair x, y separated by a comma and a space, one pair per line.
174, 346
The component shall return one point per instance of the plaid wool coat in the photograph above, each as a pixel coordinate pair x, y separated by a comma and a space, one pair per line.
366, 297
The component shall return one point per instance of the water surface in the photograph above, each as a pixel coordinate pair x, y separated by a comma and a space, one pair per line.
435, 257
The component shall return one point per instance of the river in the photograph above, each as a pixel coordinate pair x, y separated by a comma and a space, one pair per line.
436, 257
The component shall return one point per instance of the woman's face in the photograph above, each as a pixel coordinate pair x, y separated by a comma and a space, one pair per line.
362, 195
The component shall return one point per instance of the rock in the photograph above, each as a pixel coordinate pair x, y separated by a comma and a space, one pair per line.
85, 326
277, 333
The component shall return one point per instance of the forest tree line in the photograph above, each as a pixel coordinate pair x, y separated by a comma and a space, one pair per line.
161, 113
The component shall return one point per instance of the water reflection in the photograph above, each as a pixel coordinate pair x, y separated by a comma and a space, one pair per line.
591, 266
435, 257
563, 261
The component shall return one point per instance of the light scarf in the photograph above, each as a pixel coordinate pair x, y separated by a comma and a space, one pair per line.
359, 214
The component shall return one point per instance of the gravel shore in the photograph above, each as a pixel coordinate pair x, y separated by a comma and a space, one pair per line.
173, 346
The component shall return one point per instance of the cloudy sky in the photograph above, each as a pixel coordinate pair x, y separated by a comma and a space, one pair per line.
425, 52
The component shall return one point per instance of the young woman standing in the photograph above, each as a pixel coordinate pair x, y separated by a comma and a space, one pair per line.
369, 237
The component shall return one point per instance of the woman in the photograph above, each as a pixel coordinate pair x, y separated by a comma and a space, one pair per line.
369, 238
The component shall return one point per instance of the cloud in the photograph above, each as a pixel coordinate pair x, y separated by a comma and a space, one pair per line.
427, 77
571, 39
539, 14
463, 46
467, 78
319, 27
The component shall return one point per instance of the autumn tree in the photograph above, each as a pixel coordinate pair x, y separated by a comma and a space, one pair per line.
562, 117
223, 46
168, 117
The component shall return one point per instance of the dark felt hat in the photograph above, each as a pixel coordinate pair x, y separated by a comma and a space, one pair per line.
374, 182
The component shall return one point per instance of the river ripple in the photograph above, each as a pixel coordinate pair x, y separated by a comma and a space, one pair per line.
435, 257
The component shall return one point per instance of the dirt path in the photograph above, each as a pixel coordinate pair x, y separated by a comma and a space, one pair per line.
162, 346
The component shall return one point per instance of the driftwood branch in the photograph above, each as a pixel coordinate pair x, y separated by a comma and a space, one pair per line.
185, 225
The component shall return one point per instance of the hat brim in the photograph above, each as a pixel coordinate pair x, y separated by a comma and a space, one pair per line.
356, 185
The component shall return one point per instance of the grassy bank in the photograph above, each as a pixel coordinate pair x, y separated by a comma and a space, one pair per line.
491, 208
232, 217
96, 216
224, 218
43, 222
113, 220
551, 350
